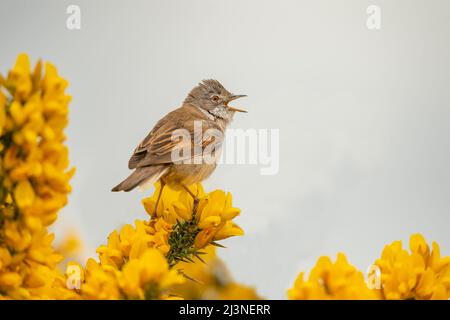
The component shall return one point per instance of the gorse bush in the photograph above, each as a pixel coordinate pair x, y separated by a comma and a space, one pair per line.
170, 255
420, 274
34, 179
144, 261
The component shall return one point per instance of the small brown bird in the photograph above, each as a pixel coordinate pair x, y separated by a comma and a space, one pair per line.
205, 108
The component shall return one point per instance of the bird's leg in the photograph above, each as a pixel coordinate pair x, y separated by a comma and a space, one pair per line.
196, 199
163, 184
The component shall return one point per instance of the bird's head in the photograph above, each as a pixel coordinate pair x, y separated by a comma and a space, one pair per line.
212, 97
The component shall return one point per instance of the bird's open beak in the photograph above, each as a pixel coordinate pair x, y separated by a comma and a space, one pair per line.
234, 97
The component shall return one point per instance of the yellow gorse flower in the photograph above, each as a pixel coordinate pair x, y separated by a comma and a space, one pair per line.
213, 216
174, 205
419, 274
99, 283
329, 281
34, 179
148, 276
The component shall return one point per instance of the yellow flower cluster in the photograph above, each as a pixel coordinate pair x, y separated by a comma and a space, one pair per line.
132, 265
34, 179
212, 280
213, 216
419, 274
144, 276
141, 261
328, 280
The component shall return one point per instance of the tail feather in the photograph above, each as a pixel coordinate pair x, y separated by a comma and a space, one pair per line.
146, 175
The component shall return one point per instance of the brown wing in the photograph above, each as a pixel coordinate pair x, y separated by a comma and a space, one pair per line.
141, 150
161, 143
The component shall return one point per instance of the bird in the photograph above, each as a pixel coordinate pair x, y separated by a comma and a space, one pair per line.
205, 109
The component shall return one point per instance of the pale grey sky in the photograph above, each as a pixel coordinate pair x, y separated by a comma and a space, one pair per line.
363, 116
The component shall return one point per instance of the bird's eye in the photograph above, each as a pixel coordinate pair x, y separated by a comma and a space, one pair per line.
215, 98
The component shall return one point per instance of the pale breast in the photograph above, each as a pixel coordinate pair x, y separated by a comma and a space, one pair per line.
189, 173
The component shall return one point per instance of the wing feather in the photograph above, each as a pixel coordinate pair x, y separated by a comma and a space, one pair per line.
158, 146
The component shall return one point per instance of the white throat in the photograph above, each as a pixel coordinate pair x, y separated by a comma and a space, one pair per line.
218, 113
222, 113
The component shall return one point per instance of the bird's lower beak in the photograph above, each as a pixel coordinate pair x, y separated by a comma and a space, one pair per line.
234, 97
236, 109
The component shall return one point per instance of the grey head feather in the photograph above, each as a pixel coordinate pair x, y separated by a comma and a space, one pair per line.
201, 95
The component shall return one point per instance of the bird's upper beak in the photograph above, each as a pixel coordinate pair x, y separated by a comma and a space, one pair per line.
234, 97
